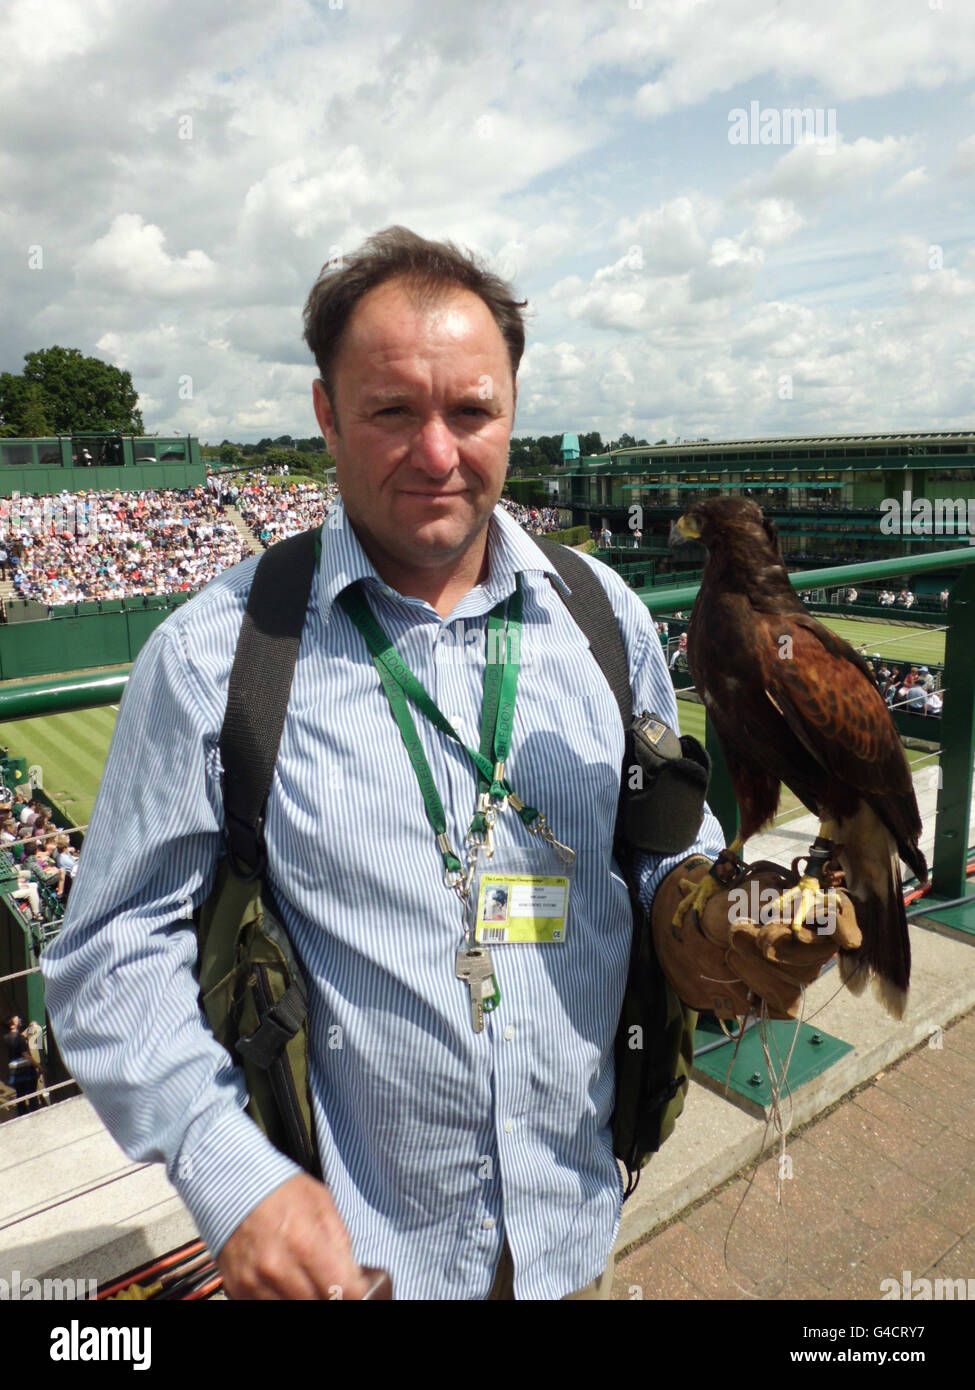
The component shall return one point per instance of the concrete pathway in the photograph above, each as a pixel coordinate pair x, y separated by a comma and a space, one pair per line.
881, 1185
254, 546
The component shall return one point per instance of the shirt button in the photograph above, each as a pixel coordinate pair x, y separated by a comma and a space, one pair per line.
488, 1223
455, 721
508, 1126
509, 1032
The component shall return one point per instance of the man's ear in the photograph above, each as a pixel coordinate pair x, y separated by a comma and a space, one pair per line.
324, 414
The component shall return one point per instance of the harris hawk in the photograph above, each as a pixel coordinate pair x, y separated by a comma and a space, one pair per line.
791, 702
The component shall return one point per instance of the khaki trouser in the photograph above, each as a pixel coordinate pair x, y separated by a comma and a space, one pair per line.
502, 1288
28, 892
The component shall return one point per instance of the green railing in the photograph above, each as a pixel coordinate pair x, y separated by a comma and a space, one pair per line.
957, 723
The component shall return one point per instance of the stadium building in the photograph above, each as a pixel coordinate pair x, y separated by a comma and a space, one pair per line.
98, 462
834, 498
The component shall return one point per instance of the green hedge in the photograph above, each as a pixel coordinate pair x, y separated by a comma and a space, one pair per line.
573, 535
527, 492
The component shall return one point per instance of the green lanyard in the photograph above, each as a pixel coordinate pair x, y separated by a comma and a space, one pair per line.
497, 714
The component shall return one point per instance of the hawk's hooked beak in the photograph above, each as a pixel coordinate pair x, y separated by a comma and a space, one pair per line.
685, 528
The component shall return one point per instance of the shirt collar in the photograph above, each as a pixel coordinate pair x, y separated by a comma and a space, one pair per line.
510, 551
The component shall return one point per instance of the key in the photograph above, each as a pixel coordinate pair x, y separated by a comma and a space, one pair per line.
474, 965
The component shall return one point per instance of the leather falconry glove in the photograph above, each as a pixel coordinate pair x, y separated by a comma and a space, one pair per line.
735, 954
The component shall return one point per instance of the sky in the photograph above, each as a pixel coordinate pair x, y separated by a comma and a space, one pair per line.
697, 263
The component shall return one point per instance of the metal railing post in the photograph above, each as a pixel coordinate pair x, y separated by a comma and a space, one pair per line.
721, 793
957, 742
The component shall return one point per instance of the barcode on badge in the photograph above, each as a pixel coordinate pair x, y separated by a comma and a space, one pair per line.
494, 936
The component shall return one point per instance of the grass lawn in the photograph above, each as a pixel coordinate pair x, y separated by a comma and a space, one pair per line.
70, 749
918, 645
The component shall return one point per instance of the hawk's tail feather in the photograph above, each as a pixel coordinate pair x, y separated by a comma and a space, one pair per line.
855, 974
912, 856
873, 881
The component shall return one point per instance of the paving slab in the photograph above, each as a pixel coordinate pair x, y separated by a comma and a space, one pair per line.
875, 1187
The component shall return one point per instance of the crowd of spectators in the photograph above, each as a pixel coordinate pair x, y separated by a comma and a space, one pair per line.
83, 546
888, 599
536, 520
42, 854
274, 511
101, 545
914, 688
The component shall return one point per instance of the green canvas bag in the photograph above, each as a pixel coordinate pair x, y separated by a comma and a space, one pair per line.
251, 983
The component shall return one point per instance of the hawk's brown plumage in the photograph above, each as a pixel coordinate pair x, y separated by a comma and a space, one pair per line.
791, 702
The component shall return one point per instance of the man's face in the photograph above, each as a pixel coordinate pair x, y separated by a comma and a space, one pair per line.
424, 405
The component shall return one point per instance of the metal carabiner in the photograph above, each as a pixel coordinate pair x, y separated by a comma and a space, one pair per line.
543, 830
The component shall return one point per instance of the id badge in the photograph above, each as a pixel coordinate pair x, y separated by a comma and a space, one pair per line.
518, 900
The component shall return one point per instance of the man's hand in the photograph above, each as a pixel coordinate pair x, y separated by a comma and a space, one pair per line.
729, 959
293, 1246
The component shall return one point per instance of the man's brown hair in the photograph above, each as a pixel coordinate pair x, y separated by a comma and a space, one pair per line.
430, 268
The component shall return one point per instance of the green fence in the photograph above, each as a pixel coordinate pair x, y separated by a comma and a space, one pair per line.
75, 640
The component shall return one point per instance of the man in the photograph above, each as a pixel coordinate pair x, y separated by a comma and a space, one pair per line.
463, 1162
21, 1071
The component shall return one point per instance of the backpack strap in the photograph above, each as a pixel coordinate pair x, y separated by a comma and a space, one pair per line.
257, 697
589, 605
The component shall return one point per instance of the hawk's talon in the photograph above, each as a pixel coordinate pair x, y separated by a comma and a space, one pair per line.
696, 896
801, 904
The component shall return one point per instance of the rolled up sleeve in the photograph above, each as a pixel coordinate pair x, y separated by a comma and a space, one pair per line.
120, 978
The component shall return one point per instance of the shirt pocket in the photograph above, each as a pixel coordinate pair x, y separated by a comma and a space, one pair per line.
570, 769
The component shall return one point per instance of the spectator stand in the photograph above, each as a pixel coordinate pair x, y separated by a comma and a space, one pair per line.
23, 939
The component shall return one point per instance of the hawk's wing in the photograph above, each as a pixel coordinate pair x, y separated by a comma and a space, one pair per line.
840, 717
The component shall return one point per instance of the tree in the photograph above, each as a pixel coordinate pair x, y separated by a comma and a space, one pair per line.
519, 451
277, 459
62, 392
230, 453
550, 448
22, 409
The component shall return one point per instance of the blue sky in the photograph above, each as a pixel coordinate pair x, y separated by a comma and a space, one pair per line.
185, 172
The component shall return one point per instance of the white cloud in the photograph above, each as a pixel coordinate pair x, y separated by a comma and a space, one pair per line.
188, 173
674, 236
907, 183
963, 162
774, 220
131, 258
811, 174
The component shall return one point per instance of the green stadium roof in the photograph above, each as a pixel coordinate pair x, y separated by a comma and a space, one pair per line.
803, 440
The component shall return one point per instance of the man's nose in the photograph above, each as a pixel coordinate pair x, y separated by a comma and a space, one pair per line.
434, 447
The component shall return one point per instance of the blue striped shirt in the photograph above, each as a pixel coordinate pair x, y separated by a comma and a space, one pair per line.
436, 1142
